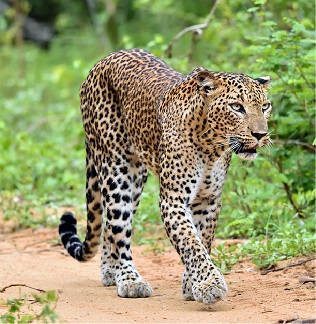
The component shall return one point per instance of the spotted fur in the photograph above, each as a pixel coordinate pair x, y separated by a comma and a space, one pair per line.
140, 115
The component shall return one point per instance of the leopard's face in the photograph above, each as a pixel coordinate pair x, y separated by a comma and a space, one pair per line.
238, 111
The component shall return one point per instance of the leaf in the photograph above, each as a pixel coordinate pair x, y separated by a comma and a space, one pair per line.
253, 9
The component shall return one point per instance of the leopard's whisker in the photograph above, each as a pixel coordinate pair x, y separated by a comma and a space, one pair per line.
271, 132
229, 149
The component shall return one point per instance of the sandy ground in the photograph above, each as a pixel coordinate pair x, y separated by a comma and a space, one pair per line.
30, 258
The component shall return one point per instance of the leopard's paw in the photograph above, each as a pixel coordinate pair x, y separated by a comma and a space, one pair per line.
134, 289
107, 275
108, 279
210, 291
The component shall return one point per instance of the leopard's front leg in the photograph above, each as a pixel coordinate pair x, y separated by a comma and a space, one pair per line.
205, 212
202, 280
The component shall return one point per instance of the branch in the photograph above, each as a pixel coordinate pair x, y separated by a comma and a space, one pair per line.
195, 29
2, 290
288, 266
295, 142
286, 187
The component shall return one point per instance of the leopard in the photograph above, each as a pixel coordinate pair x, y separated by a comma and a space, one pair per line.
140, 115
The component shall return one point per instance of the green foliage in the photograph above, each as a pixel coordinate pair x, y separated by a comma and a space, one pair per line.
22, 310
283, 245
26, 213
36, 145
225, 257
265, 251
40, 124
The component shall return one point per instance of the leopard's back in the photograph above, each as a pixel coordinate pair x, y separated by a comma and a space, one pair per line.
129, 85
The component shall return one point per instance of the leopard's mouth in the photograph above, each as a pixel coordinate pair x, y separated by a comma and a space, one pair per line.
242, 149
242, 152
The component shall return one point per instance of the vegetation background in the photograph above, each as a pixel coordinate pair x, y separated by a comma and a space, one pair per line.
269, 201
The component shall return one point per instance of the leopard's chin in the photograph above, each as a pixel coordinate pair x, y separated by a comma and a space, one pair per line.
248, 156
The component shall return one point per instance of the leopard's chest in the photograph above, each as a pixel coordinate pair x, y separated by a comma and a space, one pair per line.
213, 177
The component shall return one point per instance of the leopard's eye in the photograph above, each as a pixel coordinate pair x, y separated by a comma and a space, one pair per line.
237, 107
266, 107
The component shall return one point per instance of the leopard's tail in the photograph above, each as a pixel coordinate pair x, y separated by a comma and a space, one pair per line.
68, 235
67, 226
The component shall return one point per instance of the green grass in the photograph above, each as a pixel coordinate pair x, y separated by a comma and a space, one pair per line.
266, 251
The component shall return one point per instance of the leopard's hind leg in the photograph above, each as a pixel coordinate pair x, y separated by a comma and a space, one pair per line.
122, 181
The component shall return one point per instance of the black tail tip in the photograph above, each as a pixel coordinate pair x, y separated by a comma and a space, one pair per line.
68, 218
68, 235
67, 224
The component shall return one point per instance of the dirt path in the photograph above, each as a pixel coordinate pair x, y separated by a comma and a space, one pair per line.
29, 258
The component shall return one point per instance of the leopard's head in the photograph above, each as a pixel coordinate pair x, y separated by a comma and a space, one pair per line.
238, 111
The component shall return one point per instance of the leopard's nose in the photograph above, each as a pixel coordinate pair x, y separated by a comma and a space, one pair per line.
258, 136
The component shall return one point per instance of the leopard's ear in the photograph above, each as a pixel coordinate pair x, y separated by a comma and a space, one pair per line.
206, 82
264, 81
